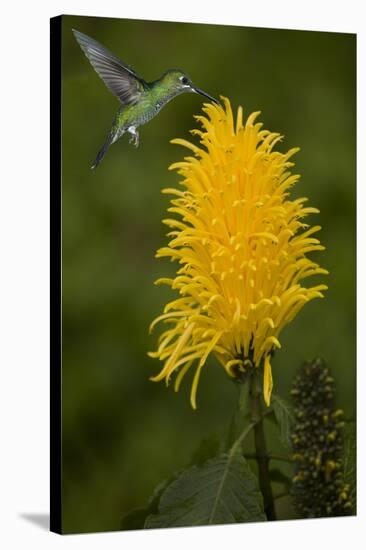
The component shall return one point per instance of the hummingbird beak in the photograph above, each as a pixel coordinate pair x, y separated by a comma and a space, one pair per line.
201, 92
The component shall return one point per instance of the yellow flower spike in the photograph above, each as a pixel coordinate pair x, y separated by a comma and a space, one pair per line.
241, 245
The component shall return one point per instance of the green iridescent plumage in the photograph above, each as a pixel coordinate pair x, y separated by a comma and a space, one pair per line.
140, 100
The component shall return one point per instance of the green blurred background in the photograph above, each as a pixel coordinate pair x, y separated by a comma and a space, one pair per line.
123, 434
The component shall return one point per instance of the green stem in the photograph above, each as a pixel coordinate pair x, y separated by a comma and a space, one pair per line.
270, 456
261, 450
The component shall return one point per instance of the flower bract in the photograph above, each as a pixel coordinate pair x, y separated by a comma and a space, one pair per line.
241, 244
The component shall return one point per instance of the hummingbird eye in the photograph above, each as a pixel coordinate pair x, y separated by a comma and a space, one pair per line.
184, 80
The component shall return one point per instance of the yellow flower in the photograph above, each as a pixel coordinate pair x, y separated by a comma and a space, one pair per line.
242, 246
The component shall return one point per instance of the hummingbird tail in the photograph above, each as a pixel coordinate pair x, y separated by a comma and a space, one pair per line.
101, 153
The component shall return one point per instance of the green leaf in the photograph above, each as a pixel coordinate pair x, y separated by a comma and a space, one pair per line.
349, 459
137, 517
284, 418
222, 490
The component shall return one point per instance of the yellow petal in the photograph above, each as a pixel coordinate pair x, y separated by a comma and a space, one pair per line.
241, 248
267, 381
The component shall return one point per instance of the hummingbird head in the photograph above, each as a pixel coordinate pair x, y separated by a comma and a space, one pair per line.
178, 82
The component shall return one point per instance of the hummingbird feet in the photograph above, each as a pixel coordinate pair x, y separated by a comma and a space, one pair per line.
134, 136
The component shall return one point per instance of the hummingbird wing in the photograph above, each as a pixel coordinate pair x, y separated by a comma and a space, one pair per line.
119, 78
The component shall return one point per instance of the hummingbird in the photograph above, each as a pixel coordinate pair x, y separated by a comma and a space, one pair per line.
140, 100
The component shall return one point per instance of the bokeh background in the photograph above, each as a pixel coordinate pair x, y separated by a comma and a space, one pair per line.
123, 434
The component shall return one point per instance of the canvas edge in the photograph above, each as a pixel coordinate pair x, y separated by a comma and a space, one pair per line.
55, 277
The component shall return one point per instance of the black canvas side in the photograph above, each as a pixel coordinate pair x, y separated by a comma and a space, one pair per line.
55, 274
